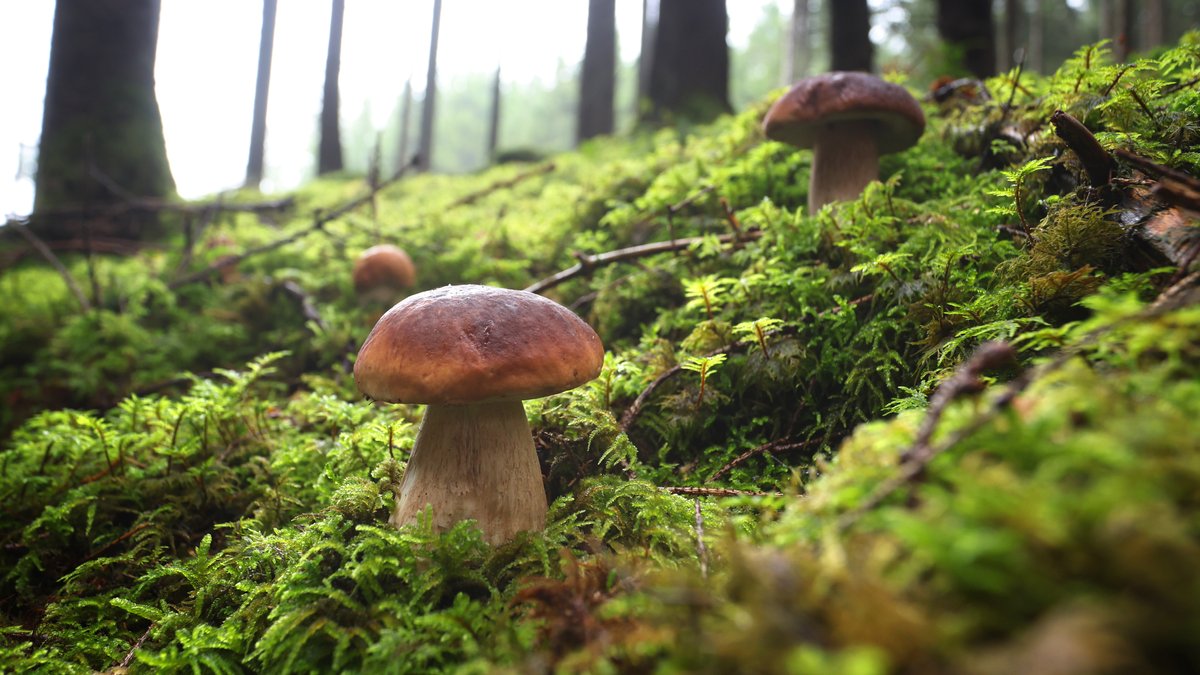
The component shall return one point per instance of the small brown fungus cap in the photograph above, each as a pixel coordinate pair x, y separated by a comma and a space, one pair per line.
797, 117
384, 265
469, 344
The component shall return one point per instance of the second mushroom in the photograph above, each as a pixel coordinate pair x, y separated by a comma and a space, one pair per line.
473, 353
848, 119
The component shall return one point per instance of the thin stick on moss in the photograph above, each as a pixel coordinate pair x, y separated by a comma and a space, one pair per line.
1179, 293
717, 492
137, 645
320, 220
701, 550
502, 185
768, 447
631, 413
48, 255
588, 263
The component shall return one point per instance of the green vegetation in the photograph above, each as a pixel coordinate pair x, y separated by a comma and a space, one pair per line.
851, 490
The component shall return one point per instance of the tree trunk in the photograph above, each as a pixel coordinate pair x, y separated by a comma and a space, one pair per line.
597, 81
425, 152
402, 157
1153, 24
258, 128
689, 69
1013, 41
494, 123
850, 36
799, 44
966, 27
102, 137
649, 26
1035, 55
329, 157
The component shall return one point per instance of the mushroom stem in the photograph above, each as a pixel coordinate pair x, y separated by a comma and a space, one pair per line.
845, 160
474, 461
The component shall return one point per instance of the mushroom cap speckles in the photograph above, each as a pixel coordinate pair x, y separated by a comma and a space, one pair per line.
468, 344
797, 117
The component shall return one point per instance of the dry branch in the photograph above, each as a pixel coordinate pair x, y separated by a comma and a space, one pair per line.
502, 185
46, 253
587, 263
1095, 159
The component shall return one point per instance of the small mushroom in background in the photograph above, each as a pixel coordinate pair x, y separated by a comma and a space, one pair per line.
382, 269
849, 120
473, 353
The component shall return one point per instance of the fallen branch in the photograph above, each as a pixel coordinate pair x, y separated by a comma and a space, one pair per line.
320, 220
635, 409
911, 471
502, 185
588, 263
717, 492
137, 645
769, 447
1095, 159
46, 253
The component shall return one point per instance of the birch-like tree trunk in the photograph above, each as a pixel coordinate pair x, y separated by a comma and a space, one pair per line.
425, 153
262, 85
329, 155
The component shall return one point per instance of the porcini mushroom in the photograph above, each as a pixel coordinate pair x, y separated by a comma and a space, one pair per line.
849, 120
383, 268
473, 353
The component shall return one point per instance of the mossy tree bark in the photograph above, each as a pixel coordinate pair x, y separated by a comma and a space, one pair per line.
329, 154
966, 26
597, 80
102, 138
850, 36
689, 67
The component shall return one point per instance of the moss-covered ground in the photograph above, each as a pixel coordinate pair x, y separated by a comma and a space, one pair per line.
952, 426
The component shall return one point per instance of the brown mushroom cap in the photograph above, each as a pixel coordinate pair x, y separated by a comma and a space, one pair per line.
384, 266
798, 116
467, 344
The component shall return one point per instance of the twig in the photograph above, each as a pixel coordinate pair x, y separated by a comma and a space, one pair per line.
635, 409
137, 645
588, 263
502, 185
769, 447
46, 253
306, 306
717, 492
320, 219
1095, 159
701, 551
988, 356
913, 470
114, 542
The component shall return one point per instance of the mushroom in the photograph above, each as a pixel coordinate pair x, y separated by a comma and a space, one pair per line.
849, 120
381, 269
473, 353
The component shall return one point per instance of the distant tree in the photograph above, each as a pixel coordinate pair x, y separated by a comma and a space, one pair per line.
1014, 38
799, 44
1035, 55
494, 117
966, 28
102, 138
649, 25
689, 66
425, 151
258, 128
329, 155
850, 35
597, 83
1153, 27
403, 158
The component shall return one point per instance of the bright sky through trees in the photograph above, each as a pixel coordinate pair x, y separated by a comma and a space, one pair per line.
207, 53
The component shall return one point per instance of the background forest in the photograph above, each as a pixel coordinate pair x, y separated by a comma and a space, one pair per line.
947, 424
